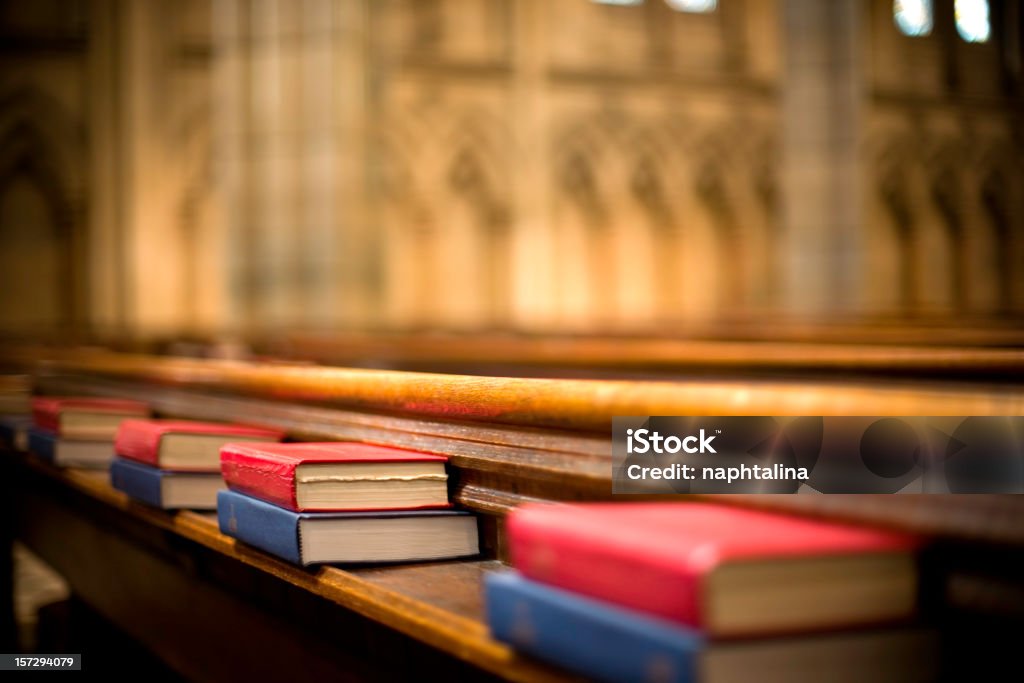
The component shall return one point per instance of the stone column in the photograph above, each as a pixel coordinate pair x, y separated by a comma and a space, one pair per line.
107, 268
822, 94
151, 242
531, 239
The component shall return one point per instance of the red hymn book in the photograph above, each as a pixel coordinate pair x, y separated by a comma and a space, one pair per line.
336, 476
84, 418
183, 445
727, 571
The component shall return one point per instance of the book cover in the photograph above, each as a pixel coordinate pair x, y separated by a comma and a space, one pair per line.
138, 481
612, 644
267, 471
589, 637
43, 444
277, 530
139, 440
657, 557
146, 483
46, 410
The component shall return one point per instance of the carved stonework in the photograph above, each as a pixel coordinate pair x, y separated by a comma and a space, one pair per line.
567, 165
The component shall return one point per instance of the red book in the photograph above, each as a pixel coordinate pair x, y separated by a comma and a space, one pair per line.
728, 571
183, 445
336, 476
84, 418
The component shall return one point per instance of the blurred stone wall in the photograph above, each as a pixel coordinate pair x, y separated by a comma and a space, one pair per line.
204, 166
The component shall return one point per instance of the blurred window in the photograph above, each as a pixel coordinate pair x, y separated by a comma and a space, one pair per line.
972, 20
701, 6
913, 17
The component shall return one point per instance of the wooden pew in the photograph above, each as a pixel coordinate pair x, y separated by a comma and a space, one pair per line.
920, 355
510, 440
216, 610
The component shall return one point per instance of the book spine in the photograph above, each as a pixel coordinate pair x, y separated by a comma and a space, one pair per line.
597, 566
138, 481
267, 480
588, 637
260, 524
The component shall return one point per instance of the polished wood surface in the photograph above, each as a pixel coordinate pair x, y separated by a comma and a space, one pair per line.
508, 440
564, 404
934, 354
173, 579
496, 467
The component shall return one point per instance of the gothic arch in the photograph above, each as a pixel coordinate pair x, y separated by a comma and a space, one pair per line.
995, 180
443, 183
25, 155
897, 235
51, 133
945, 188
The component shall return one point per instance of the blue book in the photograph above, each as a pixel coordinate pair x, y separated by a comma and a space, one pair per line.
42, 443
14, 431
346, 537
616, 645
163, 489
69, 452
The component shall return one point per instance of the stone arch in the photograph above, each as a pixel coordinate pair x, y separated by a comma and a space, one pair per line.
476, 177
25, 166
760, 177
54, 134
717, 174
945, 187
477, 169
615, 220
40, 143
442, 180
995, 181
895, 239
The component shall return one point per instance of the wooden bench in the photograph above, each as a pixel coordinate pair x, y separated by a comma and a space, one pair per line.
213, 608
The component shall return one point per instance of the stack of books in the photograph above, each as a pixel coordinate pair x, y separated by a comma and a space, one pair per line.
79, 432
329, 503
694, 592
175, 464
15, 411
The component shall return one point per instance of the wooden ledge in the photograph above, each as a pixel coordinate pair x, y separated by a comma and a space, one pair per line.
438, 604
586, 405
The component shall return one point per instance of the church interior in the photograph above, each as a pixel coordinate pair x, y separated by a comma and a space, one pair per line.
484, 232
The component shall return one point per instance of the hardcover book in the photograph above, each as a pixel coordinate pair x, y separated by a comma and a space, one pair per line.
84, 418
347, 537
183, 445
336, 476
616, 645
164, 489
69, 452
727, 571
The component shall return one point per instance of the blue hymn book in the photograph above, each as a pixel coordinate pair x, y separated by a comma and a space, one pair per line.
164, 489
588, 636
347, 537
612, 644
42, 443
